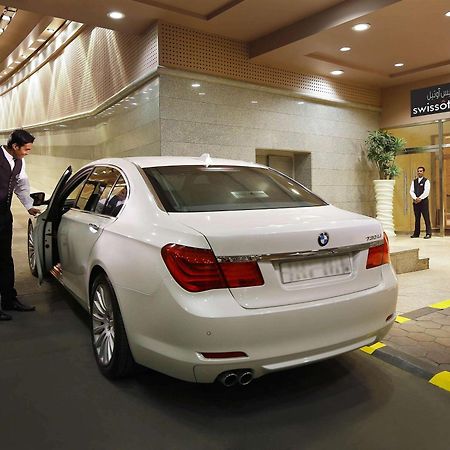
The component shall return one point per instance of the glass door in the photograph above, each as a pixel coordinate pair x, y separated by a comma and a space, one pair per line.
422, 149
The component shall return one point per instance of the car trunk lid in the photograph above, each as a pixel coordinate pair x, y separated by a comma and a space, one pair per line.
289, 245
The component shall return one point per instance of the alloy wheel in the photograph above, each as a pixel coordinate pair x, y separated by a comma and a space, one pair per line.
31, 252
103, 324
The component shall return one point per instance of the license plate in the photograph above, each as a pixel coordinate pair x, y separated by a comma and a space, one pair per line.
312, 269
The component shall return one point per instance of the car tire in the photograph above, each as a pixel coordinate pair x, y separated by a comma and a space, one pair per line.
109, 339
31, 251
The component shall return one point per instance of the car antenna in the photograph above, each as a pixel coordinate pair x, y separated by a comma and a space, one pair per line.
206, 159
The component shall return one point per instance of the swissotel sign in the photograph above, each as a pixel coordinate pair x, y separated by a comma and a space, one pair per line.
430, 100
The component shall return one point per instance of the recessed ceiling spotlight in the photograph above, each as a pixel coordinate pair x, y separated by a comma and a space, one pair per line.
201, 93
398, 64
116, 15
300, 103
361, 27
345, 49
337, 72
447, 14
254, 102
1, 30
41, 40
6, 18
195, 85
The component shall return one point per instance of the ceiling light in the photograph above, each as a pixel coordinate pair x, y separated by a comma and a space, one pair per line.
6, 18
195, 85
41, 40
116, 15
337, 72
300, 103
254, 102
398, 64
447, 14
1, 30
361, 27
345, 49
201, 93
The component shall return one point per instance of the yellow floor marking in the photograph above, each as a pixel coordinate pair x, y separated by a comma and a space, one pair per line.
441, 305
371, 348
401, 319
442, 380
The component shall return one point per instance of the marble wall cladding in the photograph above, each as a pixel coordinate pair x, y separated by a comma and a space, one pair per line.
233, 121
129, 128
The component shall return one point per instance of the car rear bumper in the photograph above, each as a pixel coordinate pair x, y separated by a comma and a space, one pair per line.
169, 339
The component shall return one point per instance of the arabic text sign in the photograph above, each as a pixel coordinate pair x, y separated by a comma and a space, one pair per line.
430, 100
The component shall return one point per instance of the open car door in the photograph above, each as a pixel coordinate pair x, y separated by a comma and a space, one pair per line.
43, 230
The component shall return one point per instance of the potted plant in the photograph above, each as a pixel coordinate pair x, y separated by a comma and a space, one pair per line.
382, 148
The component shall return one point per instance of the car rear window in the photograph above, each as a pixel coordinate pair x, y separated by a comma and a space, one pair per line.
227, 188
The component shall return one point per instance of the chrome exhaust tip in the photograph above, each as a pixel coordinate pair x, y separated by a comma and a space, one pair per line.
245, 377
228, 379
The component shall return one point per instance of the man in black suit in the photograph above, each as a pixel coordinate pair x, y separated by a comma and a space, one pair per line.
420, 190
13, 179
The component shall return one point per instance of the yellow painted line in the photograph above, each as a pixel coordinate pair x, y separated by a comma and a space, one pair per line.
401, 319
371, 348
441, 305
442, 380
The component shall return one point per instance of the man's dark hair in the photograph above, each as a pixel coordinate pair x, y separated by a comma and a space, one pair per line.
20, 137
421, 167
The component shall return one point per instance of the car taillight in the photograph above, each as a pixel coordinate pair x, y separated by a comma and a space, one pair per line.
378, 255
196, 269
242, 274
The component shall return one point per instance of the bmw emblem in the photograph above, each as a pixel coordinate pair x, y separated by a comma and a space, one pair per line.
323, 239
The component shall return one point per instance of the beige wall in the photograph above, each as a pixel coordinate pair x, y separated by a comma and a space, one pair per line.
131, 127
396, 104
225, 123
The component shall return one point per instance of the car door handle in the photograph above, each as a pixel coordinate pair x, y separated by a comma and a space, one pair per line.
94, 228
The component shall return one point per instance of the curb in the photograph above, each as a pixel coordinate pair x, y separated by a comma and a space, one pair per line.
410, 363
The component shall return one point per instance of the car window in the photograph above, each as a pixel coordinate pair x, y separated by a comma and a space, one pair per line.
97, 189
227, 188
70, 197
117, 198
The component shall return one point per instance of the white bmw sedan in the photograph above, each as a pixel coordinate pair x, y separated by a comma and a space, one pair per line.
208, 269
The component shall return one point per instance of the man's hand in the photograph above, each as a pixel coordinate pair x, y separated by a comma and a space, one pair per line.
417, 200
34, 211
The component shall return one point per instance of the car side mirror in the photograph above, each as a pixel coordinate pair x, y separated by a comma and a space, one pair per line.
38, 198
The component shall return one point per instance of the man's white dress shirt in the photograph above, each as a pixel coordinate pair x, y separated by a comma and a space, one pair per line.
22, 189
425, 193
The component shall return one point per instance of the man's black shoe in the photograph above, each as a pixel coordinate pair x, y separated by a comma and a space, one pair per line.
428, 236
414, 236
15, 305
4, 317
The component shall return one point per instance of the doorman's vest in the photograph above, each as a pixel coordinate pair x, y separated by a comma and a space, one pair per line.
419, 187
8, 179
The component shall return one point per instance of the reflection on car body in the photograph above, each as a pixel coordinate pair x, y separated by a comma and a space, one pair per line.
212, 269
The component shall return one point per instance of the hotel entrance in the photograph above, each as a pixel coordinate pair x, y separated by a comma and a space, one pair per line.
427, 145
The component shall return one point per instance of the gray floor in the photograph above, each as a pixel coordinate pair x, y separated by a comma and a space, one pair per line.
53, 397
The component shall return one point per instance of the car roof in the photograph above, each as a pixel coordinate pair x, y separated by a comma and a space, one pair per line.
158, 161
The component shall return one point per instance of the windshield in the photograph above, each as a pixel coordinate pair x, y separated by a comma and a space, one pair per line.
227, 188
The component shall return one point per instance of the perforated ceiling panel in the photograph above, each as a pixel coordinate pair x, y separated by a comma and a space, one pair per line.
91, 69
201, 52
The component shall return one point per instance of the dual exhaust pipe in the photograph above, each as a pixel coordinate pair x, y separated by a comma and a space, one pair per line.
233, 377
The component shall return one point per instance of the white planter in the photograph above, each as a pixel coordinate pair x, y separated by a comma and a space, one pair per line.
384, 192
